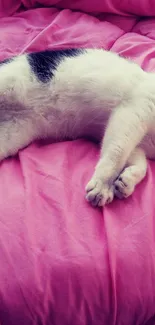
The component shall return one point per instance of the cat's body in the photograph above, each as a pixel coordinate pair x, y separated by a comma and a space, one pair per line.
77, 93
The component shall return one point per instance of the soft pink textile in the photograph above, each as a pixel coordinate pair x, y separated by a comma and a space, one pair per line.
137, 7
127, 7
62, 261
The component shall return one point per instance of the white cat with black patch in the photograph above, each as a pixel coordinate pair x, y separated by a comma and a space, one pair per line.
77, 93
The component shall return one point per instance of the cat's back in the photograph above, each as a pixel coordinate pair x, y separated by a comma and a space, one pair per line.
96, 74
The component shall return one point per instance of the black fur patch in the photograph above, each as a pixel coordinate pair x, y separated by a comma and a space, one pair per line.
6, 61
43, 64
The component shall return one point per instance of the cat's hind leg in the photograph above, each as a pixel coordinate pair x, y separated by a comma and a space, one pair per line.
127, 127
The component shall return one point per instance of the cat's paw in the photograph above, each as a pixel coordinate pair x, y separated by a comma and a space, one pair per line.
125, 184
98, 193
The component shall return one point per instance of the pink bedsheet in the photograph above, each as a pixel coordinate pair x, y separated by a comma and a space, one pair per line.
63, 262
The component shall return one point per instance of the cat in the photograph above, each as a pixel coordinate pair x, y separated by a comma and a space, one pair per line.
67, 94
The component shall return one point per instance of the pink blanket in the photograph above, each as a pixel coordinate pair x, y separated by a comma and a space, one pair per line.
62, 261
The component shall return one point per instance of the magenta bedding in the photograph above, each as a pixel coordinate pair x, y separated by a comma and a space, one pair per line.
63, 262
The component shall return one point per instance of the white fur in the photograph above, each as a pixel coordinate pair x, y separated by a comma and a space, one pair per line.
87, 93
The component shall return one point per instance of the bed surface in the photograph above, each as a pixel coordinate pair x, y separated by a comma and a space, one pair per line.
62, 261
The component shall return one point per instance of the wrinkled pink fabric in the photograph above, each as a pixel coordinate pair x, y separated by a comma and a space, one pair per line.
125, 7
62, 261
137, 7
